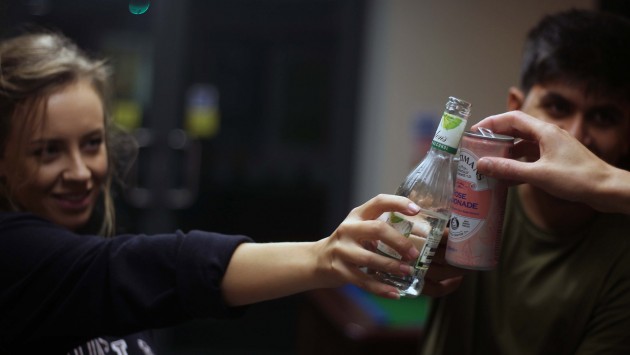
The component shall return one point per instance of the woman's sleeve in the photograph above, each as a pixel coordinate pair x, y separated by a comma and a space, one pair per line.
57, 283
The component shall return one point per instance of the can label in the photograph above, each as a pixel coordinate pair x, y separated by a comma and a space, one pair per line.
478, 206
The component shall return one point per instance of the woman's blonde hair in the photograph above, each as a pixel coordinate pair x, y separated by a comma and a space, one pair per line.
32, 67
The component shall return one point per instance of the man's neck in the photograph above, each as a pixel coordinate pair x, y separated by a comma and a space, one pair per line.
551, 213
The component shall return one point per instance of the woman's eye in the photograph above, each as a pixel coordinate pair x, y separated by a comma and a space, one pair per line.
46, 152
94, 144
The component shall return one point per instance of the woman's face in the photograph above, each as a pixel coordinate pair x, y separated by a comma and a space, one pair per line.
58, 170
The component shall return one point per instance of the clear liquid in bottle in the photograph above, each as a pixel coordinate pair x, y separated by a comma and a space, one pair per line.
430, 186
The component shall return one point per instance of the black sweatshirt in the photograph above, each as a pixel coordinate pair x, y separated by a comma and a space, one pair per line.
59, 289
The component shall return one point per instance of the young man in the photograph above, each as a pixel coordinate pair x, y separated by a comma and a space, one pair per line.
563, 282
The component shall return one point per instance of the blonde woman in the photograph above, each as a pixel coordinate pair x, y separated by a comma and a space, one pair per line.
70, 285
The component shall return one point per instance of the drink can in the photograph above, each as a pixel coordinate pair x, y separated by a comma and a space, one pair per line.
478, 205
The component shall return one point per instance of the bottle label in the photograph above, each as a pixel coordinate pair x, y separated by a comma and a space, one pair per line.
449, 133
401, 225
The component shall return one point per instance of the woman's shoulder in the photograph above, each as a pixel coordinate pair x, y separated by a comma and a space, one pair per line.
27, 233
22, 221
17, 216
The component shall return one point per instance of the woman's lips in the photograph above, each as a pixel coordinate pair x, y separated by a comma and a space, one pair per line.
75, 201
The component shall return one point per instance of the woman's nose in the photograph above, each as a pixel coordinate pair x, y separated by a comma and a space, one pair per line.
77, 169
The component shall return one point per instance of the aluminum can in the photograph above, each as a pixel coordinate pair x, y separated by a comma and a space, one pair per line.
478, 206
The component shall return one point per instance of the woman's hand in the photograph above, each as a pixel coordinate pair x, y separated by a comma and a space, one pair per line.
343, 255
259, 272
344, 252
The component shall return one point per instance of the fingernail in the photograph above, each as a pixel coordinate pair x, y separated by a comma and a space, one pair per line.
393, 295
413, 252
414, 208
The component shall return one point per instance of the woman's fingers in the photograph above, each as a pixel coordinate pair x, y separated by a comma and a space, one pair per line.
369, 232
383, 203
360, 257
369, 283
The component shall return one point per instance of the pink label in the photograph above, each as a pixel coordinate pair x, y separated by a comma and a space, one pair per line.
476, 220
472, 198
469, 202
474, 240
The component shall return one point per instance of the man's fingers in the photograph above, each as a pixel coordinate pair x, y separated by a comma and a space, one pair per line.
513, 123
530, 150
443, 271
503, 168
442, 288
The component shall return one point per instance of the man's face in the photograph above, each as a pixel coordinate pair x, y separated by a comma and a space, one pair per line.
600, 123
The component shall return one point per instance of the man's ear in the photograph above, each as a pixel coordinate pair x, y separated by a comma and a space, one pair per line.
515, 99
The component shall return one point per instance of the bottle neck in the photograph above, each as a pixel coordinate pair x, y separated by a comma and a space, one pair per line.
449, 133
443, 148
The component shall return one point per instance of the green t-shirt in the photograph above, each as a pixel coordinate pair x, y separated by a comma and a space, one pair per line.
550, 294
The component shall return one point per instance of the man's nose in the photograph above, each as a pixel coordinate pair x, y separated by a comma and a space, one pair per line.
577, 127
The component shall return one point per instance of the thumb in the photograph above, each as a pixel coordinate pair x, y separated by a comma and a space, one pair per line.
503, 168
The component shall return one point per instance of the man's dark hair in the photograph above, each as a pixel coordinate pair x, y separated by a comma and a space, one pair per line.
580, 47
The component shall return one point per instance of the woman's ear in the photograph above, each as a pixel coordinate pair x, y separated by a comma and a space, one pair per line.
515, 99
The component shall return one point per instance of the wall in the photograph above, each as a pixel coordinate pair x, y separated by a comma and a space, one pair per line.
419, 52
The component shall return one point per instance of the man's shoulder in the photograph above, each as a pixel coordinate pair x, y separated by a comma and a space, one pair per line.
608, 240
612, 225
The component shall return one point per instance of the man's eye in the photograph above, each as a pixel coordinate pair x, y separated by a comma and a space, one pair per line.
557, 109
605, 118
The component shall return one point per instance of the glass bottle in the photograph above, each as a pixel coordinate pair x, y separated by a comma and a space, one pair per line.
430, 186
